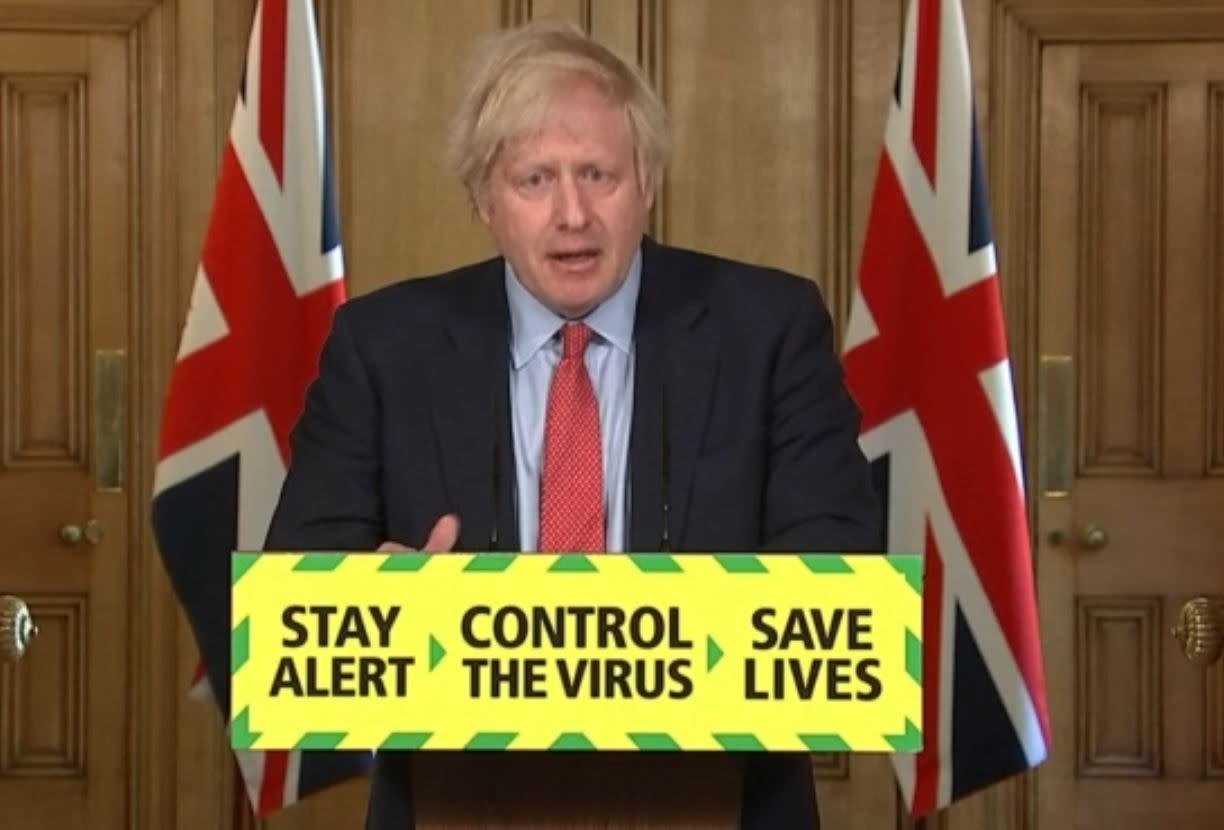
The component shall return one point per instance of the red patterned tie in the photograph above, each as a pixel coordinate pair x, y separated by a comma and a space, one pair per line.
571, 487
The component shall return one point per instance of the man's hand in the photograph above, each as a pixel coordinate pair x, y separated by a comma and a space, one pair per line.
441, 539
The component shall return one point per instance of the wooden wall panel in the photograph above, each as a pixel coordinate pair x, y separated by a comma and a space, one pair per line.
398, 76
42, 707
1118, 686
579, 11
1182, 432
1213, 708
42, 270
1214, 306
875, 36
1122, 264
744, 178
632, 29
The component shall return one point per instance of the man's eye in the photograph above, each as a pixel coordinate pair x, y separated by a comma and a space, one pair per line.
531, 181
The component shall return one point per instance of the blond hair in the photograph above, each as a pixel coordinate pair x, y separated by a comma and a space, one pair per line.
511, 82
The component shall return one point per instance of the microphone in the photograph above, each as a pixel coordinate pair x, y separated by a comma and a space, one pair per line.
665, 465
497, 446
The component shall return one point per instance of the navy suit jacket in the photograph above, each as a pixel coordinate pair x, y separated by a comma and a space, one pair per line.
409, 420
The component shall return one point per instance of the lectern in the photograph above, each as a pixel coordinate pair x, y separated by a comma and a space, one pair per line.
676, 791
576, 690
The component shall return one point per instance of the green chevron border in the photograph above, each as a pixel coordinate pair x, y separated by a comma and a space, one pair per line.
913, 655
741, 563
320, 740
910, 567
240, 645
491, 562
909, 740
320, 562
656, 563
406, 740
574, 563
491, 741
241, 736
825, 743
240, 563
654, 741
404, 562
572, 741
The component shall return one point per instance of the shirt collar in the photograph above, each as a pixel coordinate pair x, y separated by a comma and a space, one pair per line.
532, 323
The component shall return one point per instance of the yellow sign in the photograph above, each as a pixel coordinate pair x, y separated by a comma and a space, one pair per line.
602, 651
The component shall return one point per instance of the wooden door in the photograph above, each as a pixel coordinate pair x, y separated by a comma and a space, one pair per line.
1131, 335
65, 261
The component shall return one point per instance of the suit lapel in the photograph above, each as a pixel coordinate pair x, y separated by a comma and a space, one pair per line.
674, 375
470, 400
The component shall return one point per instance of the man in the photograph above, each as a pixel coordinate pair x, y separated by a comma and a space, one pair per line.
589, 389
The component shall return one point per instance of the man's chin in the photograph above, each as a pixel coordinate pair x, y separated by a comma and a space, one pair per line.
577, 297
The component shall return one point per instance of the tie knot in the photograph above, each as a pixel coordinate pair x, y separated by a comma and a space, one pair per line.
575, 337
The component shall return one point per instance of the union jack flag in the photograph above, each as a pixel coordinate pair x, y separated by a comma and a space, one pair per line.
926, 359
270, 276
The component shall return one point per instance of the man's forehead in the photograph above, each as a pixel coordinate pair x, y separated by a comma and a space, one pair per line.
577, 134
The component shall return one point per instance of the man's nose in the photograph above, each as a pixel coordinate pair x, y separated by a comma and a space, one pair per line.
572, 211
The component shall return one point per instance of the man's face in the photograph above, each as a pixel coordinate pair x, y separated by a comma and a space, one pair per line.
564, 204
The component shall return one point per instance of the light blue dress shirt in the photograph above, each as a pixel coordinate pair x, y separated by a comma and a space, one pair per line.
535, 351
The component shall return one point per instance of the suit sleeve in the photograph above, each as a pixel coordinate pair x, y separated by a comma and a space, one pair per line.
330, 497
819, 495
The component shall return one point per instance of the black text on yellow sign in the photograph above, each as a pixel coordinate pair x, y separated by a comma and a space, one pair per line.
528, 651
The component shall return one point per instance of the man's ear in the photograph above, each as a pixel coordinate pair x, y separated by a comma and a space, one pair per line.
648, 187
649, 195
484, 209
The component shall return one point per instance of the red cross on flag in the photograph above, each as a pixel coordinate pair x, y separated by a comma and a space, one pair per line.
270, 276
926, 358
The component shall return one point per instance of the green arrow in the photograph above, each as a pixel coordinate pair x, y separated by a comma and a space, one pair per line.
713, 653
436, 652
